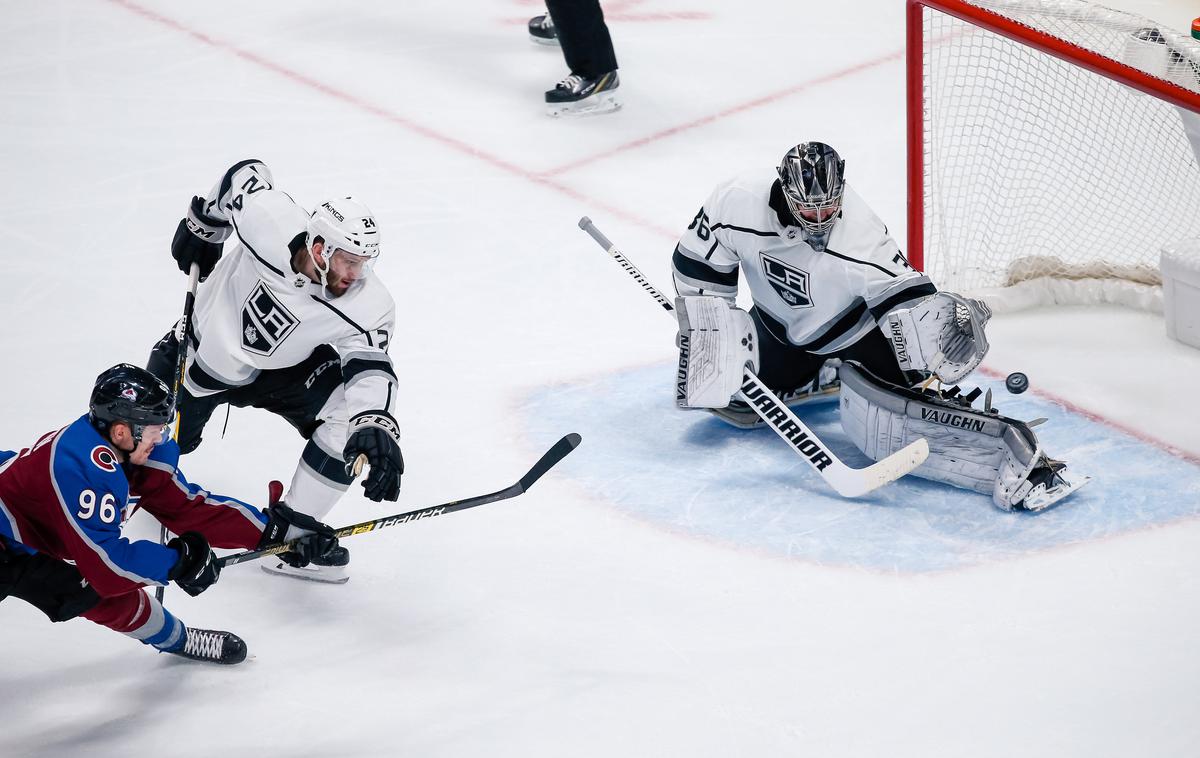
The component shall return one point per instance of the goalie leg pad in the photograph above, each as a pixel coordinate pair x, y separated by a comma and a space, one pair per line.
716, 343
984, 452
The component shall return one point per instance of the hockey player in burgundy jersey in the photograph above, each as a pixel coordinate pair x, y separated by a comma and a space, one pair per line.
292, 320
63, 501
829, 284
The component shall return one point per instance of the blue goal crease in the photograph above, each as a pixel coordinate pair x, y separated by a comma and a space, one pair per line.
698, 475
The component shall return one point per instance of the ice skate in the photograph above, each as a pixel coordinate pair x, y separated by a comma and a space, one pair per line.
211, 646
579, 96
542, 31
329, 568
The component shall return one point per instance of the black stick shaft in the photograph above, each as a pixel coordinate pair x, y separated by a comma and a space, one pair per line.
552, 456
182, 333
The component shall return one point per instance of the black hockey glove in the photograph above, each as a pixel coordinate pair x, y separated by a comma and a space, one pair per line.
198, 239
285, 523
376, 435
197, 568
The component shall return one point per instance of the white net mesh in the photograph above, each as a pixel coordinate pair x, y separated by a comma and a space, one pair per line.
1037, 167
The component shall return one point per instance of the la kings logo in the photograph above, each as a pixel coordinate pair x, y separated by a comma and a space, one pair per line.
265, 322
789, 282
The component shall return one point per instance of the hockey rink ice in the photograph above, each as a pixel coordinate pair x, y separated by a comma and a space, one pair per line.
674, 587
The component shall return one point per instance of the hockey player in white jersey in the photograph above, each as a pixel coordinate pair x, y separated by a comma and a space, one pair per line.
291, 319
832, 293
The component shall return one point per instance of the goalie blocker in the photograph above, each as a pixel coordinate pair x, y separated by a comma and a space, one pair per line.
716, 342
976, 450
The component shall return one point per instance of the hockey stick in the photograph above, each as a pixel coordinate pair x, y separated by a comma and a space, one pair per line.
182, 332
544, 464
846, 481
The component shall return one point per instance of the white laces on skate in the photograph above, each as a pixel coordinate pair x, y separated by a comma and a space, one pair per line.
571, 82
204, 644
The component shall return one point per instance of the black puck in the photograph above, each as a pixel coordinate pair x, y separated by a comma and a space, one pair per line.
1016, 382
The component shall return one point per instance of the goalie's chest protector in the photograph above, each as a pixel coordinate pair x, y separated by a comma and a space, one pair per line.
254, 313
819, 298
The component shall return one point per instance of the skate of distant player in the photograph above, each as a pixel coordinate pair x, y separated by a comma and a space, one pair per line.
63, 501
291, 319
838, 311
593, 84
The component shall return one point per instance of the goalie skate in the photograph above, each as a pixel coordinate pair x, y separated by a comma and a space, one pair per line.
1051, 486
825, 387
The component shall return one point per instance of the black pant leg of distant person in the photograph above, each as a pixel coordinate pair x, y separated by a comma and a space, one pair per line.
584, 37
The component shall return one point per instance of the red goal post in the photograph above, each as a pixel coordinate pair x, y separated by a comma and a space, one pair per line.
1048, 142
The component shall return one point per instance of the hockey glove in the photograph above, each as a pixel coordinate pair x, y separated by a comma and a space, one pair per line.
376, 435
198, 239
285, 524
197, 568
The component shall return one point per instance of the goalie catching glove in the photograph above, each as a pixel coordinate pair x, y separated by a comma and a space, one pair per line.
976, 450
716, 343
943, 334
376, 435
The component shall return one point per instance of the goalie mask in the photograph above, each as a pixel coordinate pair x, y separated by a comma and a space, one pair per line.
346, 227
812, 178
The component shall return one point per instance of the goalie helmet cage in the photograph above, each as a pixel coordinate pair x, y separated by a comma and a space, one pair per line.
1048, 150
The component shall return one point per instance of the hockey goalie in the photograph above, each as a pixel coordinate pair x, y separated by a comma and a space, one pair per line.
837, 310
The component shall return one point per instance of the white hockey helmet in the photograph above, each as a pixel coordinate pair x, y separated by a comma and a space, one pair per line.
342, 223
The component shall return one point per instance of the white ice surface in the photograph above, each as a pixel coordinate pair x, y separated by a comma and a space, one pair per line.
560, 623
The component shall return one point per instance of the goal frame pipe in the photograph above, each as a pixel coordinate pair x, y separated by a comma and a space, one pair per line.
993, 22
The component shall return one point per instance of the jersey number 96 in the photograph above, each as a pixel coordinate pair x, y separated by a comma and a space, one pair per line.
88, 506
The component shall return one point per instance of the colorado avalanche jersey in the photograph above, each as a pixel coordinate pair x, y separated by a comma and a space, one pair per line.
255, 312
68, 495
821, 302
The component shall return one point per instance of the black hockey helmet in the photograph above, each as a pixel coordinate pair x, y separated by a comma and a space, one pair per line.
133, 396
812, 176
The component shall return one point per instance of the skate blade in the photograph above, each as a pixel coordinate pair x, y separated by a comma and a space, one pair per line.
1041, 498
605, 102
322, 575
552, 42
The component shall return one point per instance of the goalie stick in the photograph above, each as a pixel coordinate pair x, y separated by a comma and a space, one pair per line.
846, 481
544, 464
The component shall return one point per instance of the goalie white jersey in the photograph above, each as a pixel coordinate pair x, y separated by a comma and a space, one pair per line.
255, 312
821, 302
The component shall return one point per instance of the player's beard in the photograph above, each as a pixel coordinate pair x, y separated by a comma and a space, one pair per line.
336, 285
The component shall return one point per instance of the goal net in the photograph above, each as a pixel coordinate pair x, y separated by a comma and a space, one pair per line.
1054, 149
